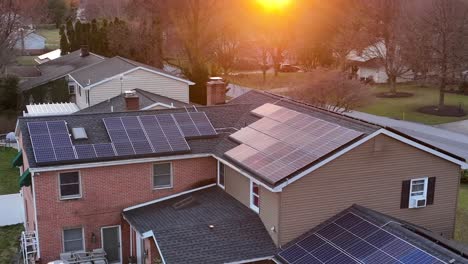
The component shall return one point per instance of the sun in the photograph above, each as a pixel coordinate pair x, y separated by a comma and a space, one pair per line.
274, 5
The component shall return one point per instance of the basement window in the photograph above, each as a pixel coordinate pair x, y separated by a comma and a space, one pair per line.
73, 239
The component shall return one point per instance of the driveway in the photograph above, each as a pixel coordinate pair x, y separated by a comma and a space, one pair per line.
11, 206
459, 127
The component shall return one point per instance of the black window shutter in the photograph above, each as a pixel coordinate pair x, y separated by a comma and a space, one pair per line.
431, 190
405, 189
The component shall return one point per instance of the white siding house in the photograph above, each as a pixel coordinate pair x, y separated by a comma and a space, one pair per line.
89, 92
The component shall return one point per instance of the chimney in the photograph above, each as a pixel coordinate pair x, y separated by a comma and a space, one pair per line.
84, 51
132, 102
215, 91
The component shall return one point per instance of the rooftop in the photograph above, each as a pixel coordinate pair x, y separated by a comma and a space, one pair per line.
111, 67
361, 235
60, 67
205, 226
146, 99
227, 120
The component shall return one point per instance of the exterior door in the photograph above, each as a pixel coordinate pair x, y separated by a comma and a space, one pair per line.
111, 243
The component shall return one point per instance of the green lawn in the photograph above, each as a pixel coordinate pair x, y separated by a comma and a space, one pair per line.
9, 242
398, 108
255, 80
461, 229
52, 37
405, 108
8, 176
25, 60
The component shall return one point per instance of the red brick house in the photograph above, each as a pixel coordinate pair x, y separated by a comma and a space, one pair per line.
273, 170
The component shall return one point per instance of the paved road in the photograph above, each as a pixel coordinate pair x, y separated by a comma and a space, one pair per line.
458, 127
11, 208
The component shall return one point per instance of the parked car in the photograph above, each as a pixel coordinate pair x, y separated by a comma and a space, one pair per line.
289, 68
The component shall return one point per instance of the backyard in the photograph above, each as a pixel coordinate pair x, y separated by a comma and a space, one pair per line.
9, 235
398, 108
52, 42
461, 230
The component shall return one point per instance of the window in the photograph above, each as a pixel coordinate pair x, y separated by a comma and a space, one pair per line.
73, 239
418, 188
70, 185
87, 96
221, 172
254, 196
71, 88
162, 175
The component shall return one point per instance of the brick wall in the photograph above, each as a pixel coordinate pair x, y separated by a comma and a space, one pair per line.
106, 191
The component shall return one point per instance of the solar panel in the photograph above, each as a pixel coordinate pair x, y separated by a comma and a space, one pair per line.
186, 125
293, 140
172, 133
345, 241
51, 141
85, 151
104, 150
155, 134
203, 124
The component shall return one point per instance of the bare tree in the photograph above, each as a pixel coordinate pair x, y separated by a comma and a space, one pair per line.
447, 21
226, 48
384, 34
9, 25
332, 90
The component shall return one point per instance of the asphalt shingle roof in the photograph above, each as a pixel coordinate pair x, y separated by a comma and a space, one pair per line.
60, 67
117, 104
432, 243
109, 68
184, 236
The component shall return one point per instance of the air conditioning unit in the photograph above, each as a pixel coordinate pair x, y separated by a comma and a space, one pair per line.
417, 202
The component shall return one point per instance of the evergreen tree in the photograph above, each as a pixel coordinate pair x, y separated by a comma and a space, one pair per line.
71, 36
64, 46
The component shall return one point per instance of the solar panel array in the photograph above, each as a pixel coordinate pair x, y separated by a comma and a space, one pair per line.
352, 239
129, 135
51, 141
285, 141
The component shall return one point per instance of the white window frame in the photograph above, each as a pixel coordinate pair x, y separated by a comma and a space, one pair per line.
70, 197
172, 177
82, 238
252, 194
74, 88
220, 164
424, 195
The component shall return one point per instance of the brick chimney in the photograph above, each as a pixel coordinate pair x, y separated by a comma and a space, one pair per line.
84, 51
132, 102
215, 92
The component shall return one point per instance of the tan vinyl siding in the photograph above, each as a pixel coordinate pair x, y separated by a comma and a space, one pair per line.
143, 80
371, 175
237, 186
269, 212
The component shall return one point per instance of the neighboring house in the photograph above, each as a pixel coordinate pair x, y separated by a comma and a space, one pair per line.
114, 76
135, 100
370, 65
30, 43
163, 184
60, 68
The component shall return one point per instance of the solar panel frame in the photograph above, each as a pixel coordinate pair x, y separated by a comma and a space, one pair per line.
203, 124
186, 125
324, 243
85, 151
104, 150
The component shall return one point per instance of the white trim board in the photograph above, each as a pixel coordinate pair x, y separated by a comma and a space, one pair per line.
158, 104
118, 162
168, 197
251, 260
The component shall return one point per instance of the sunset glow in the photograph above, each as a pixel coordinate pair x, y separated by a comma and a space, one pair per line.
274, 5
